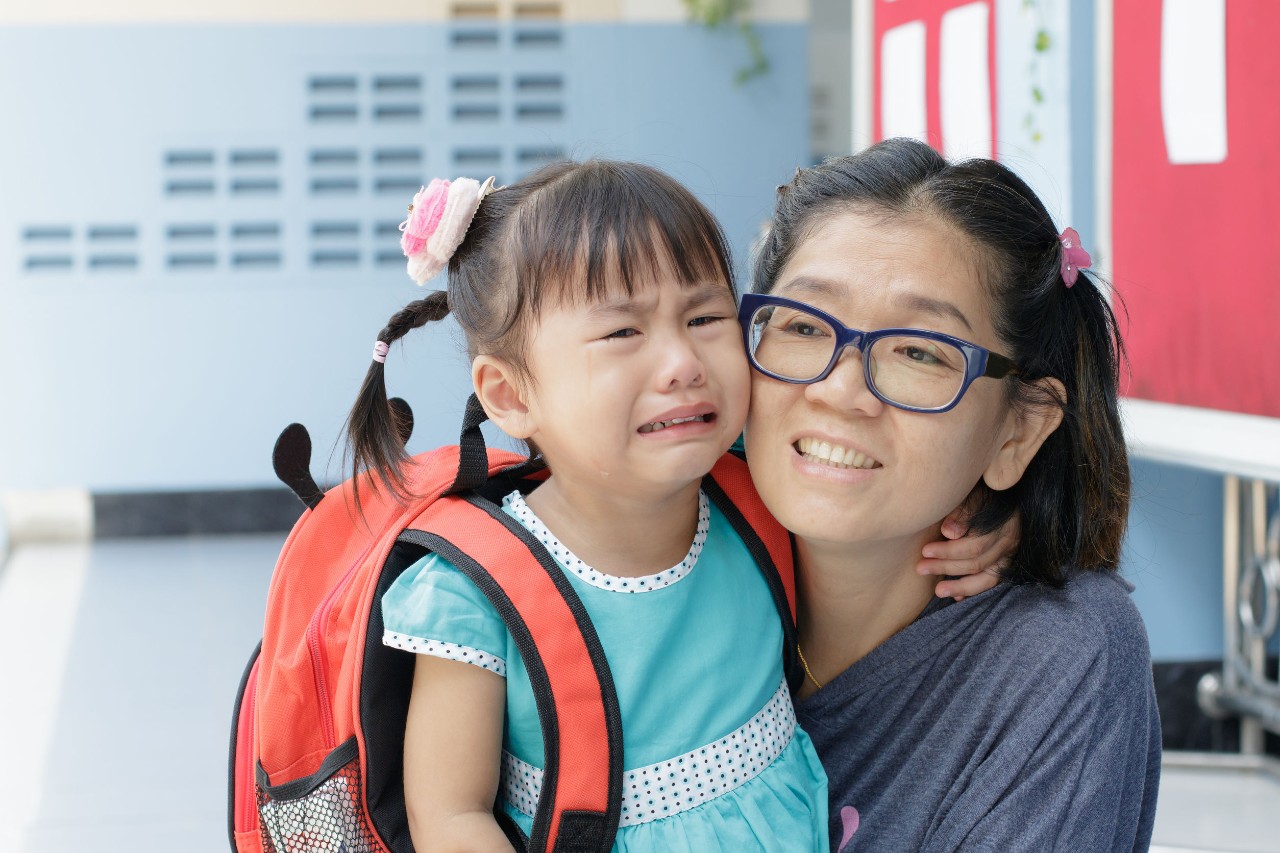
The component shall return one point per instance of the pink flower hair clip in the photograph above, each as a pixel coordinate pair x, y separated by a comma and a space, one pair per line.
1074, 257
438, 220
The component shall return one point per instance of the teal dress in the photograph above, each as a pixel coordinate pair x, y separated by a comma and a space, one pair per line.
712, 756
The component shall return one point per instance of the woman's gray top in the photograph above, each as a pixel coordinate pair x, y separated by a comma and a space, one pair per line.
1022, 719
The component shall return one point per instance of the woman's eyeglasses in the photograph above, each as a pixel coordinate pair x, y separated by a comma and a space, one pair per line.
913, 369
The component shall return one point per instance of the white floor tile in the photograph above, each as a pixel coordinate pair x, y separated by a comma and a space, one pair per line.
133, 651
1223, 811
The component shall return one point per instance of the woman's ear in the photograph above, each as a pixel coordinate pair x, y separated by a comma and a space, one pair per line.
1029, 429
502, 393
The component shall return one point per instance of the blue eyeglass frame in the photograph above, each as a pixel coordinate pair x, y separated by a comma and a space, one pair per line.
978, 361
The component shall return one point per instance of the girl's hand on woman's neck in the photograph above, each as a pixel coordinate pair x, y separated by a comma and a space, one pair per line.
853, 598
622, 535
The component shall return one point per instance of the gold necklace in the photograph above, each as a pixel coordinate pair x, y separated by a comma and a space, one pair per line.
807, 671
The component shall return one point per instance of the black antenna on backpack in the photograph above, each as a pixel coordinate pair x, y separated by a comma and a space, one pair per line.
403, 418
291, 460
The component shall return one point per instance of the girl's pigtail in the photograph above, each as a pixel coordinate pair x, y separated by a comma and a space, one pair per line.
373, 428
438, 220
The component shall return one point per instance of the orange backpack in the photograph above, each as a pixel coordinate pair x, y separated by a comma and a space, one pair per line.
318, 730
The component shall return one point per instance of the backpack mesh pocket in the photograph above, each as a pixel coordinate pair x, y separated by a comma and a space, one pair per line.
322, 813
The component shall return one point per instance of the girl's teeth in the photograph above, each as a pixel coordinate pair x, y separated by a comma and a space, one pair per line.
657, 425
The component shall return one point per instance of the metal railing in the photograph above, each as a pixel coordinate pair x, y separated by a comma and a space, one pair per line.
1245, 451
1251, 612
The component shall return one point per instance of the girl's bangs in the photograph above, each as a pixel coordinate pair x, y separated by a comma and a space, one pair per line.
607, 226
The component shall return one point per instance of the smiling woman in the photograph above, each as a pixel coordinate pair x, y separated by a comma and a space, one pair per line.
915, 345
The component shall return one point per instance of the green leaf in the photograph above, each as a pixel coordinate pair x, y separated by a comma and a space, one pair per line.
1042, 41
715, 13
1037, 95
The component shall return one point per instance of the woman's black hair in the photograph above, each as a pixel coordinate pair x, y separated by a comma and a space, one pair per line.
567, 232
1073, 499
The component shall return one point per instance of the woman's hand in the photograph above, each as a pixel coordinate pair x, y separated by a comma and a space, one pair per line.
973, 561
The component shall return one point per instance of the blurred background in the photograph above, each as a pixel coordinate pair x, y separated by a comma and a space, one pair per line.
199, 205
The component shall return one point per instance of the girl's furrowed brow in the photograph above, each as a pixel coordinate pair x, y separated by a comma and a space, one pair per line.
704, 293
628, 306
622, 306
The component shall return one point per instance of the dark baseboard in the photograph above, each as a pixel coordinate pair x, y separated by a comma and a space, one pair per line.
1183, 725
129, 514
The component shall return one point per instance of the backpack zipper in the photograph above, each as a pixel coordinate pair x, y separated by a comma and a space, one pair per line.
320, 661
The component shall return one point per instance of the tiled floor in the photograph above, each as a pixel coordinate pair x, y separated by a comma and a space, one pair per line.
126, 658
119, 664
1218, 810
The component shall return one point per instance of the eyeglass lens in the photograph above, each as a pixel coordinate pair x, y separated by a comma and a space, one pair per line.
913, 371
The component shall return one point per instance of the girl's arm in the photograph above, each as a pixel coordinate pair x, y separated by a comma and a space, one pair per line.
452, 755
971, 561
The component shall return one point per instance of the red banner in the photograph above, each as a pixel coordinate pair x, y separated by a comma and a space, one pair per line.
915, 42
1196, 180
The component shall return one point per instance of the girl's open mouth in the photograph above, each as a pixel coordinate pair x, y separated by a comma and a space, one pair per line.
656, 426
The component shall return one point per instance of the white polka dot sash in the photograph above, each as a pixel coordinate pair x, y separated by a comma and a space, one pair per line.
685, 782
612, 583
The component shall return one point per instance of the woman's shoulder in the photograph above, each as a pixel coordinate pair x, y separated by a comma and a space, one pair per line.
1090, 600
1091, 622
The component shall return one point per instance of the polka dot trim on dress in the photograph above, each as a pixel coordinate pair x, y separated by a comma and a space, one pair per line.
685, 782
612, 583
448, 651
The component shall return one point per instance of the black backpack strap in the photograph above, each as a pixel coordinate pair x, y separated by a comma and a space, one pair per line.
729, 487
581, 799
473, 458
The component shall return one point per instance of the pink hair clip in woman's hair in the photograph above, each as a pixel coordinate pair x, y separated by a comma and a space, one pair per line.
1074, 257
438, 220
